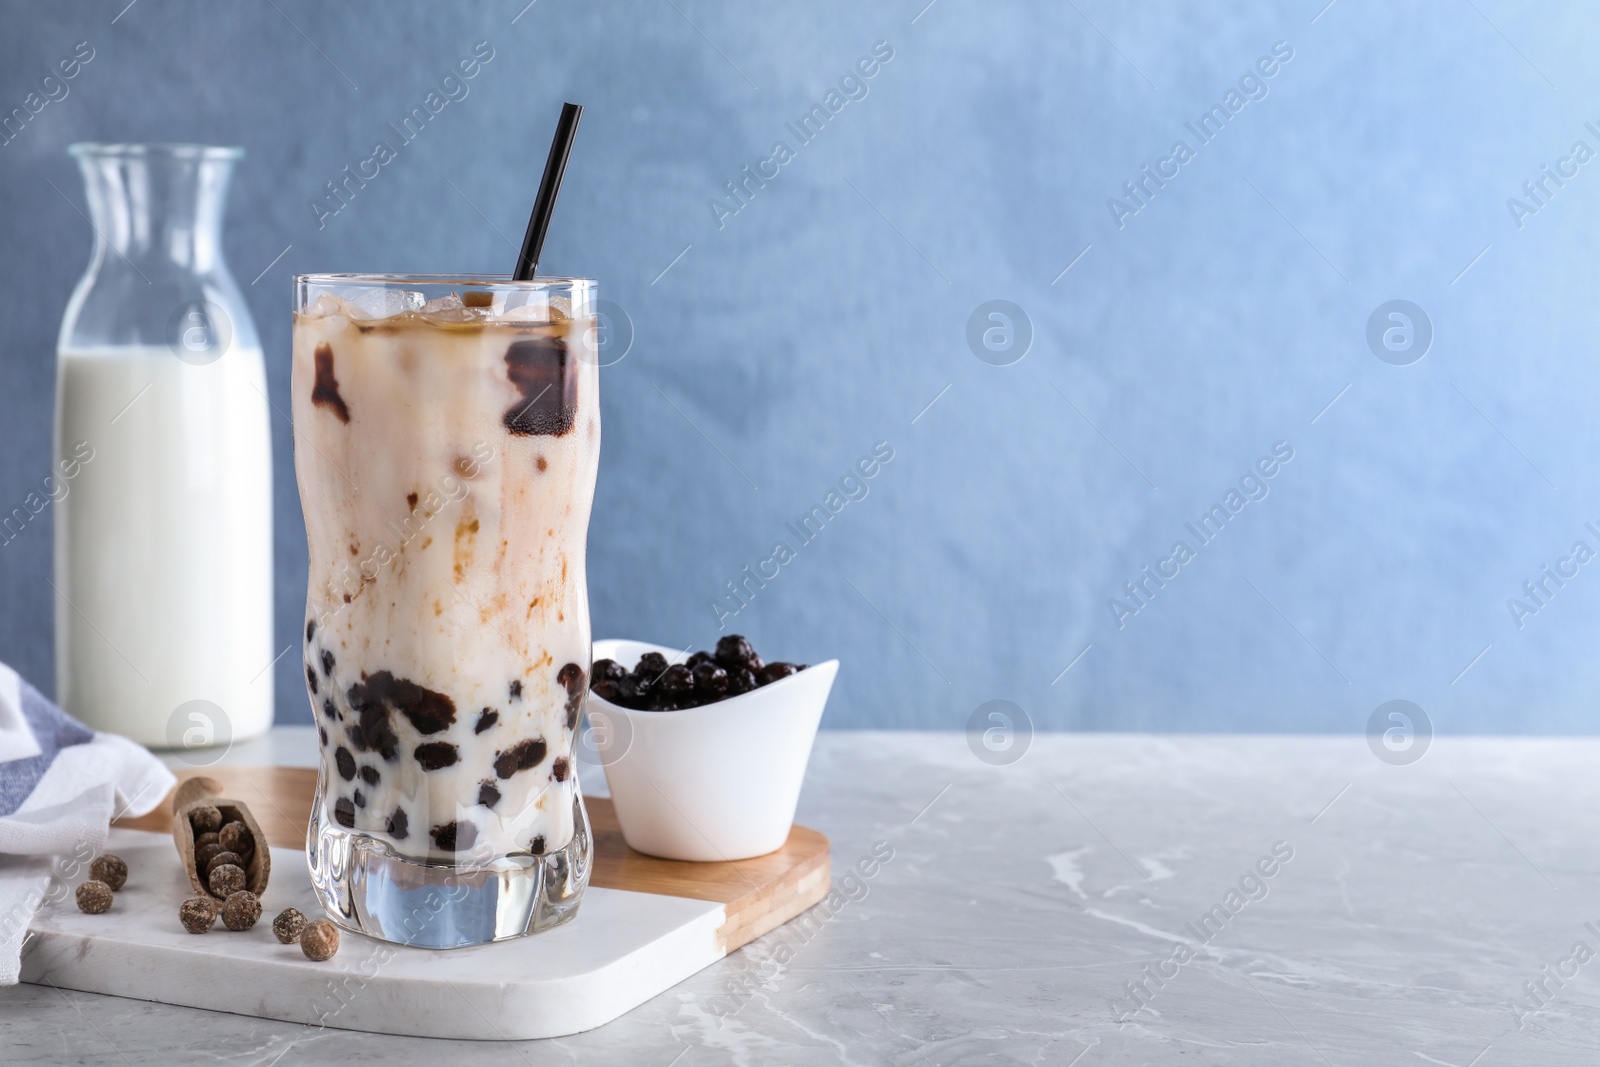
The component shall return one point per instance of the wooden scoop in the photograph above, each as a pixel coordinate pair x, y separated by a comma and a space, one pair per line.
196, 792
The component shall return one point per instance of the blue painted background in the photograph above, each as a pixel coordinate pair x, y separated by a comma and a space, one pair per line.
776, 345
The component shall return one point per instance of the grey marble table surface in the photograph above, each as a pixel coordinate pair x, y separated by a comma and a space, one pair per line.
1105, 899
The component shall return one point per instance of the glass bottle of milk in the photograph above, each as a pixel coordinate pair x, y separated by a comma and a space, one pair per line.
163, 537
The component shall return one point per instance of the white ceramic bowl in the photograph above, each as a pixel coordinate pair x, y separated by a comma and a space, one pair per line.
718, 782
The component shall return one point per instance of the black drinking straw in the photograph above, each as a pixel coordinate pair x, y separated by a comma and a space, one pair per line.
549, 186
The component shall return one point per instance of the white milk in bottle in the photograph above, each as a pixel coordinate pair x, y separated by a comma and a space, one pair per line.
163, 534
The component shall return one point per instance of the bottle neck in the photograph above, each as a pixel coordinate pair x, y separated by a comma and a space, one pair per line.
157, 211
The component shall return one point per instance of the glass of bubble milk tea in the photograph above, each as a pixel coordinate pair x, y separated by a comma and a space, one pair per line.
447, 436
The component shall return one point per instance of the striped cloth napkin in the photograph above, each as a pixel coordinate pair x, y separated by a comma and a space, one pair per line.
61, 784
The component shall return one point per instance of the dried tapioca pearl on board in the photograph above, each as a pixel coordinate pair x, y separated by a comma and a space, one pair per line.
288, 926
112, 870
198, 914
94, 897
319, 940
241, 910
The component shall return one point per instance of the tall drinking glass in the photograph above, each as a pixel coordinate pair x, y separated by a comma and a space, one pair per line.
447, 436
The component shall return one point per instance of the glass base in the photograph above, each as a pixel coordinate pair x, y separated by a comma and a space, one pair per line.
363, 886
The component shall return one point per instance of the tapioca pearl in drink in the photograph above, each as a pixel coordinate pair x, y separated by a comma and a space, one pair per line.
488, 794
398, 826
325, 391
435, 755
488, 717
454, 836
429, 712
377, 699
540, 368
345, 762
522, 756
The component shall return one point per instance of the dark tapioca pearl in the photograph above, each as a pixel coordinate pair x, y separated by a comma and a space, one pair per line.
398, 825
570, 677
380, 735
488, 794
559, 769
346, 763
370, 775
325, 390
311, 628
652, 665
694, 661
536, 846
344, 813
322, 731
435, 754
627, 693
376, 699
774, 671
454, 836
608, 670
329, 710
710, 682
486, 718
734, 651
677, 683
605, 691
516, 689
542, 370
311, 679
327, 662
357, 739
361, 800
411, 501
519, 757
740, 680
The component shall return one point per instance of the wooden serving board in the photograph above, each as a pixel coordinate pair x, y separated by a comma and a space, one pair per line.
645, 924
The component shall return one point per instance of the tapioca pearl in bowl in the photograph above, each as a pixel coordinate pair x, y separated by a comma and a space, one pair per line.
716, 782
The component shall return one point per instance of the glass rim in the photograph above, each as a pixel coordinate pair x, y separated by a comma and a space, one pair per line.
81, 149
490, 282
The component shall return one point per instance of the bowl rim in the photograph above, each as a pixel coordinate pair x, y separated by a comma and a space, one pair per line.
704, 710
